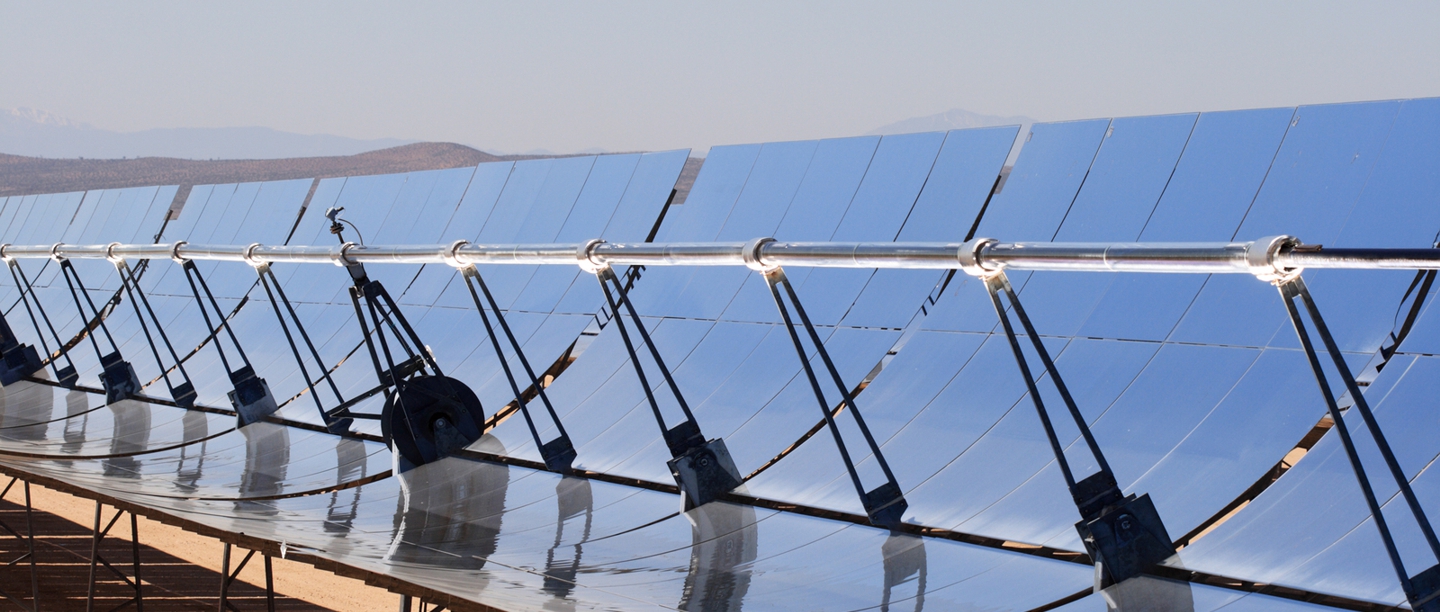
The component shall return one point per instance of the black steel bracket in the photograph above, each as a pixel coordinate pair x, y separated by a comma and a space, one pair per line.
66, 376
558, 453
17, 361
118, 376
702, 468
251, 396
1422, 589
183, 393
1123, 534
336, 421
885, 505
427, 415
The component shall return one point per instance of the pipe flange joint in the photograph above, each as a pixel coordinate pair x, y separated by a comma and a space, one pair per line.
341, 255
3, 256
452, 255
55, 252
969, 258
249, 256
1260, 259
111, 257
750, 254
585, 257
175, 252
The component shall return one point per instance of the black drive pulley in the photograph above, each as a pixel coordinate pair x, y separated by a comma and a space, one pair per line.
429, 417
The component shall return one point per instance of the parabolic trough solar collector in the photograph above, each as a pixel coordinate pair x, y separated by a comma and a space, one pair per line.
1196, 387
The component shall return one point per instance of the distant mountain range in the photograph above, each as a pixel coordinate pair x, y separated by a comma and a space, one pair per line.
36, 133
953, 119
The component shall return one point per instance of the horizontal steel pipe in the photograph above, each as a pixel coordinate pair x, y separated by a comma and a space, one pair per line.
669, 254
1363, 259
515, 254
1177, 257
211, 252
913, 255
1267, 256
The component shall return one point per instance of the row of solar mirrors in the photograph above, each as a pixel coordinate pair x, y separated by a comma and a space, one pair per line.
1176, 398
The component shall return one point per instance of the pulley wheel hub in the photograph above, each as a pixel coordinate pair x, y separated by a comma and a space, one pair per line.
429, 417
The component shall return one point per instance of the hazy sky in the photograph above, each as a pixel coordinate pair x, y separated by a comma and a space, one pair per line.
566, 76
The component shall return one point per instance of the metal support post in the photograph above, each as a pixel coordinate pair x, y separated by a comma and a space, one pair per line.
1422, 589
406, 600
251, 396
337, 420
29, 555
96, 560
1123, 534
885, 505
228, 578
702, 468
118, 377
559, 453
66, 376
183, 393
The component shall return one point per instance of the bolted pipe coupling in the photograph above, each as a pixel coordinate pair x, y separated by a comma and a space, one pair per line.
175, 252
969, 258
750, 254
341, 255
1260, 259
249, 256
585, 257
110, 255
452, 254
55, 252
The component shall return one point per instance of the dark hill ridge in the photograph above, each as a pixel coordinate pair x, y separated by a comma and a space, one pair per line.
27, 175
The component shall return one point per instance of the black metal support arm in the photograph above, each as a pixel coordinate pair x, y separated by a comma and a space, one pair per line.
17, 360
427, 415
1422, 589
66, 376
183, 393
336, 420
251, 396
118, 376
702, 468
559, 453
1123, 534
885, 504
